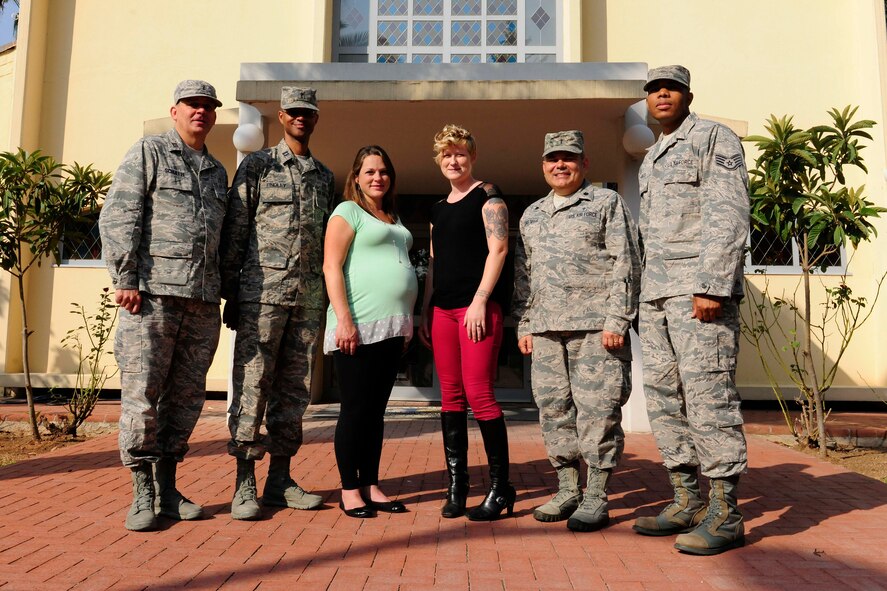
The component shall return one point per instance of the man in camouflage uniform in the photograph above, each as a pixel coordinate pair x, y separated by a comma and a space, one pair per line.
576, 292
160, 228
271, 279
693, 227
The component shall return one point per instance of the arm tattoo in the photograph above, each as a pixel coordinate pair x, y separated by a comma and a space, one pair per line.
496, 220
483, 294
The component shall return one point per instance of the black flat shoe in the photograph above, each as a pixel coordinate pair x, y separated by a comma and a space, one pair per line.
358, 512
387, 507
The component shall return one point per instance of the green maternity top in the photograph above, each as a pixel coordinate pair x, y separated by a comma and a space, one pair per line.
380, 282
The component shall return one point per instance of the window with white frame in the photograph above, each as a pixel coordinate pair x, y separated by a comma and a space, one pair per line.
769, 253
447, 31
82, 245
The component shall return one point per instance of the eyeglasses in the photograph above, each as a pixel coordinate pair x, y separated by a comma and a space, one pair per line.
305, 113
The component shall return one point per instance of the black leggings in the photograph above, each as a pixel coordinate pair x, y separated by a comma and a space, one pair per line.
365, 382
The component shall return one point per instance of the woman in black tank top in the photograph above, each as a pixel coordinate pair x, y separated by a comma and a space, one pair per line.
462, 320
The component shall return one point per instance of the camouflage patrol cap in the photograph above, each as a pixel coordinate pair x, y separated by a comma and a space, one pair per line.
564, 141
292, 97
190, 88
679, 74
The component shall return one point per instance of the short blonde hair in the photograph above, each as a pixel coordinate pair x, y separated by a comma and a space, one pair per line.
453, 135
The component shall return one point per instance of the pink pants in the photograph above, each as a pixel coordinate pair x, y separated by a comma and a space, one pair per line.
466, 369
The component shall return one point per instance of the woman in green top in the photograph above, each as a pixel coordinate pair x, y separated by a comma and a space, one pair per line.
372, 289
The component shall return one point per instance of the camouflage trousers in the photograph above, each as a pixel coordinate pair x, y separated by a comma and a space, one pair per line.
163, 352
273, 359
689, 382
580, 388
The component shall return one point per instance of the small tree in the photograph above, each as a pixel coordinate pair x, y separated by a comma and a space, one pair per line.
92, 370
39, 200
798, 190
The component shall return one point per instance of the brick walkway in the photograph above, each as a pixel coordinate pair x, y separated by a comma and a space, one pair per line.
810, 525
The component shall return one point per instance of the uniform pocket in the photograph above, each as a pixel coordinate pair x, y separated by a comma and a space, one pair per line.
170, 262
273, 258
174, 196
681, 175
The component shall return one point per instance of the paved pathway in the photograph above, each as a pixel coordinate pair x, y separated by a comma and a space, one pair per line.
810, 525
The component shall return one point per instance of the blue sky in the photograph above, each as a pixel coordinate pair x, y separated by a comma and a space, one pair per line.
6, 22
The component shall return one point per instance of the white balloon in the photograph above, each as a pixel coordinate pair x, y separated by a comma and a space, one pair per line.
637, 139
248, 138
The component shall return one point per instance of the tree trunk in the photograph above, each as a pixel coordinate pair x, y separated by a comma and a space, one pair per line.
807, 352
29, 390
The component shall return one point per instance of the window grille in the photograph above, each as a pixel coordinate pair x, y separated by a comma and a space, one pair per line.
82, 244
768, 253
448, 31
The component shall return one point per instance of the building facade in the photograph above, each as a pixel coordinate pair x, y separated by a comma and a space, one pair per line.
86, 79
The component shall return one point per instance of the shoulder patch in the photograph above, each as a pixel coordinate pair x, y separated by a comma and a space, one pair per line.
728, 162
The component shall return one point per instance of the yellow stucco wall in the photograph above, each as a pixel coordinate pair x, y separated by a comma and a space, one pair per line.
759, 57
7, 70
112, 65
107, 67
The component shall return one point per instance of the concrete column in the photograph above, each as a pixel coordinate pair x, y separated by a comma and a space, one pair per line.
249, 115
634, 413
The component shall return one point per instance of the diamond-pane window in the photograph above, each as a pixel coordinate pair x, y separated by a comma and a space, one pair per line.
501, 32
427, 58
353, 18
392, 33
465, 33
393, 7
427, 33
540, 18
354, 27
465, 58
82, 242
768, 249
458, 31
428, 7
391, 58
465, 7
540, 29
502, 7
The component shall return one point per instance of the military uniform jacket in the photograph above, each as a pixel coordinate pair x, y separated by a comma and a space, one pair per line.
577, 267
274, 229
694, 212
161, 221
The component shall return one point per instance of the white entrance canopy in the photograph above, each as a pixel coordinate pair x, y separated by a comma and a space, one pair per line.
508, 108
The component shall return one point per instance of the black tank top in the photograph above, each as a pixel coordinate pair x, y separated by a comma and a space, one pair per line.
459, 240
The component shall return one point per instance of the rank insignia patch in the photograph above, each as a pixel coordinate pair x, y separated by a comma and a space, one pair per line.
729, 162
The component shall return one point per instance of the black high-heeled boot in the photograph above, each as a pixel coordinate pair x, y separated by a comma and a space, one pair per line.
502, 494
455, 439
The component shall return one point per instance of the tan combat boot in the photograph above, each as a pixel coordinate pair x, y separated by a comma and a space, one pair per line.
282, 491
244, 505
567, 499
141, 514
592, 513
170, 502
681, 515
723, 528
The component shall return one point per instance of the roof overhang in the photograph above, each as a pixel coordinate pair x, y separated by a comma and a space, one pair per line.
508, 108
261, 83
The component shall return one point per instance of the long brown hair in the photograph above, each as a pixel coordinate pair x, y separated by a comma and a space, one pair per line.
352, 189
